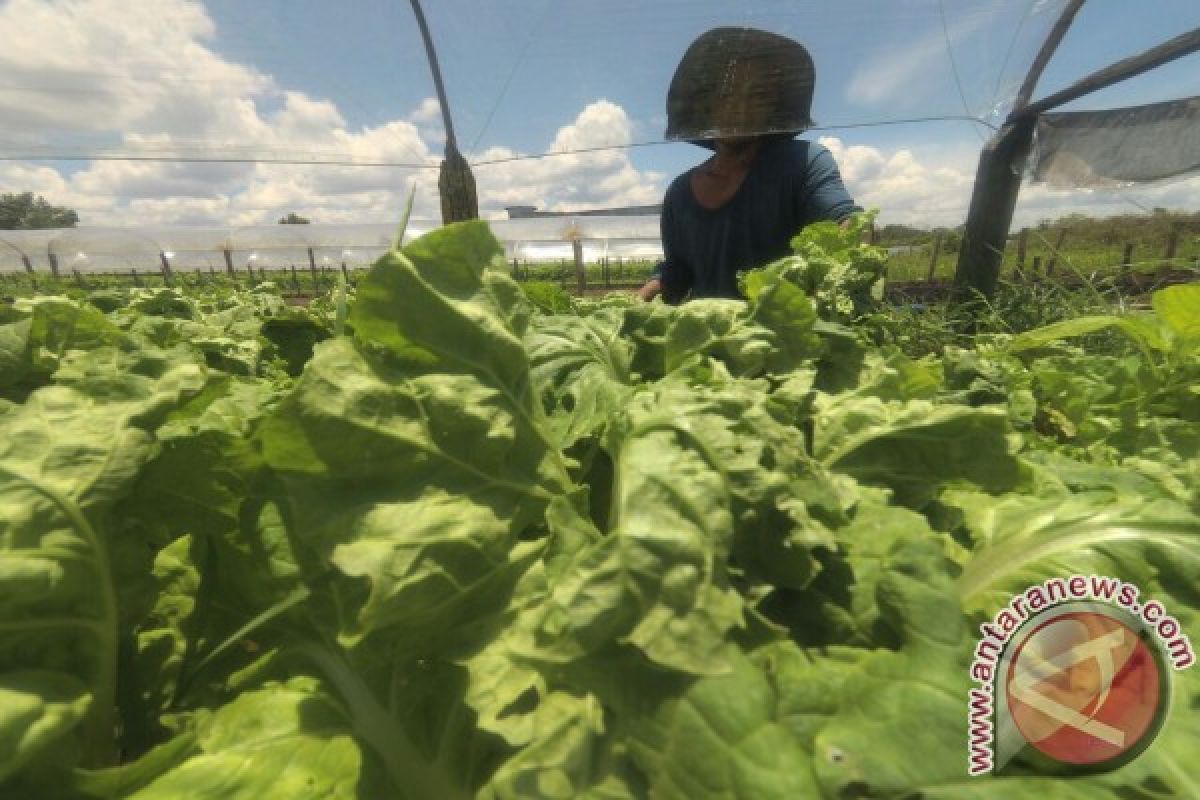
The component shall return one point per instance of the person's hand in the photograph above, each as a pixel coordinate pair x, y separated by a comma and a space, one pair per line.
650, 289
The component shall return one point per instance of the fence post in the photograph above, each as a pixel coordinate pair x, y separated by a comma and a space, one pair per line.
134, 275
1022, 244
312, 266
295, 279
933, 259
53, 258
168, 277
225, 251
1127, 257
580, 271
28, 263
345, 272
1037, 266
78, 278
1053, 262
1172, 244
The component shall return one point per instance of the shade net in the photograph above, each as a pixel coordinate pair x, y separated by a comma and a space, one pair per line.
1118, 147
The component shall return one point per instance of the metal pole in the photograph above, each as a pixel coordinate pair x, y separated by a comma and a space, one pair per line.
1180, 46
1053, 40
998, 177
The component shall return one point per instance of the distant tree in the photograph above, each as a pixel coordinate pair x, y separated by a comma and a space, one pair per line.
895, 234
951, 242
294, 219
24, 211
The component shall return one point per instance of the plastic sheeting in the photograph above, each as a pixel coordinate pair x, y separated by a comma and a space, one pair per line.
1117, 147
281, 246
511, 68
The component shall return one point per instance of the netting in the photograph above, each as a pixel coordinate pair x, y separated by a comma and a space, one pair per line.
1118, 147
226, 115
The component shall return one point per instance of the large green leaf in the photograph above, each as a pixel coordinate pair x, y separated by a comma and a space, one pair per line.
284, 741
724, 739
1179, 308
915, 446
66, 457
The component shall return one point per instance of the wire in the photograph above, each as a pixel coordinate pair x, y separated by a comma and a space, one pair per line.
339, 162
533, 31
213, 160
1012, 46
962, 95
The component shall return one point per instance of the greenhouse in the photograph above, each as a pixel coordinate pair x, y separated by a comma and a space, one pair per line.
673, 400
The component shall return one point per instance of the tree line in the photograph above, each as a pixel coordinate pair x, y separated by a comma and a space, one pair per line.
25, 211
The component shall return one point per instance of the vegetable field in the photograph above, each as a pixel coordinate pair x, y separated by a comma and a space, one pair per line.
435, 537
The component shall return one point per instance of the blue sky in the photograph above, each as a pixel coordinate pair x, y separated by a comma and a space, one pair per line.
519, 69
316, 78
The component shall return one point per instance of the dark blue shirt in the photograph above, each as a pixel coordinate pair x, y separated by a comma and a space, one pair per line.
791, 183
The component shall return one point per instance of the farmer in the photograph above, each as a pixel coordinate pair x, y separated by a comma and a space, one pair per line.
744, 94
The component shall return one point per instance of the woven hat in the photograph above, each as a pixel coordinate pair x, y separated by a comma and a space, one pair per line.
740, 82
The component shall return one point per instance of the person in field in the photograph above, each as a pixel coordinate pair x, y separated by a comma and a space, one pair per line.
744, 94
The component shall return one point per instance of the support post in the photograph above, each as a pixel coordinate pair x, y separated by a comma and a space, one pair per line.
1172, 244
580, 270
1052, 264
168, 277
933, 258
993, 200
225, 251
312, 266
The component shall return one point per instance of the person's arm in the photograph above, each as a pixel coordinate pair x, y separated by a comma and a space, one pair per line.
671, 277
827, 197
653, 286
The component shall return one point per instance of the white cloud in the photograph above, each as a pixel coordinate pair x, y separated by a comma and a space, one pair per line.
428, 112
113, 65
573, 180
908, 190
139, 76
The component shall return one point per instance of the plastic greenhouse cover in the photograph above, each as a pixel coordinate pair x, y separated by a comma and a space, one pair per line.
546, 60
280, 246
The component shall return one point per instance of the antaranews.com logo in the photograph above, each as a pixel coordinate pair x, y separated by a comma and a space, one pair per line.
1073, 673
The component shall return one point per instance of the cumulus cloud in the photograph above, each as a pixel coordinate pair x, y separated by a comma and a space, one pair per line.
141, 77
926, 193
572, 180
114, 65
